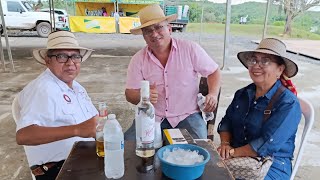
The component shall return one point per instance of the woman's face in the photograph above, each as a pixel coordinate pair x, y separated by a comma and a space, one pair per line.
263, 69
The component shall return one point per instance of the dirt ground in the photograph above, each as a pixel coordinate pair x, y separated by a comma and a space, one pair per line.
104, 76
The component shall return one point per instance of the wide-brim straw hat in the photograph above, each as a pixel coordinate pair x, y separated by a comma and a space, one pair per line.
274, 47
150, 15
61, 40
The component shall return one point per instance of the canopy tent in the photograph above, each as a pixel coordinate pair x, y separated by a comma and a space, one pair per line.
90, 17
128, 12
132, 5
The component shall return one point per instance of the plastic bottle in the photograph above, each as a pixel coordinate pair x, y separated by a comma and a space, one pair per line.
113, 148
99, 129
157, 135
207, 116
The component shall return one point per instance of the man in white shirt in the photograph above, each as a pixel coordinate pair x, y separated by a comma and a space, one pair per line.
55, 110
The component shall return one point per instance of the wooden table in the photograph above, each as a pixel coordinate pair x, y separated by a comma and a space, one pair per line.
84, 164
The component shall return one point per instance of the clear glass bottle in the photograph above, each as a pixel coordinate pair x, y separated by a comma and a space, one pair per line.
145, 123
102, 107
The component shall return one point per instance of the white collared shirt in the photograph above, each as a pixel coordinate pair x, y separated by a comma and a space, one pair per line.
49, 102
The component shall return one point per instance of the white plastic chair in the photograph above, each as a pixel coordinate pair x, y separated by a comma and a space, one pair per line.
308, 113
15, 110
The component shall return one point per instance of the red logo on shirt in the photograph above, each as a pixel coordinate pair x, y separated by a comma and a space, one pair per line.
67, 98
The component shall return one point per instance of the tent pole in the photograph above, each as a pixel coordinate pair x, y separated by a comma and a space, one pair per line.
226, 34
266, 20
7, 41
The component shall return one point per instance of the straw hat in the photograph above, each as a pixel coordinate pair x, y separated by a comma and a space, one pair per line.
274, 47
150, 15
60, 40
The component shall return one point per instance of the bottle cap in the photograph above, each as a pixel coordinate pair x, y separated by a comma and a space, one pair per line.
111, 116
145, 89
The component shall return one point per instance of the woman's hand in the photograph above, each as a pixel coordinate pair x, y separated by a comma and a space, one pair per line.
223, 150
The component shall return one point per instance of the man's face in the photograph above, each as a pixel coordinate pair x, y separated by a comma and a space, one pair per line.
64, 64
158, 35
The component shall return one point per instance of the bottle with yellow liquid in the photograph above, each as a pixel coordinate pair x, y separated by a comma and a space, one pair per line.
99, 129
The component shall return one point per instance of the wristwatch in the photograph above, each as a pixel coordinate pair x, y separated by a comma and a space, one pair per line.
231, 152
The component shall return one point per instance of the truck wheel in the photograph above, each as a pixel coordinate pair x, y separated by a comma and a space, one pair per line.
43, 29
184, 29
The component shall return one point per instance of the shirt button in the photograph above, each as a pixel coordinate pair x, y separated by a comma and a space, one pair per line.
166, 109
271, 140
244, 127
245, 138
167, 86
166, 71
166, 98
255, 102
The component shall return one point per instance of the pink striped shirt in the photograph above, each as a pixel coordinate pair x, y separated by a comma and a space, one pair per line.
177, 83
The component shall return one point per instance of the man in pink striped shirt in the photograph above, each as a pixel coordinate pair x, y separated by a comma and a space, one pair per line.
172, 66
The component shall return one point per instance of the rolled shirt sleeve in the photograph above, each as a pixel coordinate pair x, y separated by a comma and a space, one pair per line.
278, 129
202, 62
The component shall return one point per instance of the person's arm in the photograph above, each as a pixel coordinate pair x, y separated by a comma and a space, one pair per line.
224, 148
133, 96
214, 83
244, 151
36, 135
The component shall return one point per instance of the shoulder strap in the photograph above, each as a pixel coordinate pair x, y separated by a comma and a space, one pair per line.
267, 112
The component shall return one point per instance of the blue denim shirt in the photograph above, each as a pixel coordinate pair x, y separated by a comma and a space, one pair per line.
244, 120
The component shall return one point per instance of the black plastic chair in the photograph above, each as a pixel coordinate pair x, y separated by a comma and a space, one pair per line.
203, 89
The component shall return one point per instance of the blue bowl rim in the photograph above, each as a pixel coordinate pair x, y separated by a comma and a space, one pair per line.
191, 145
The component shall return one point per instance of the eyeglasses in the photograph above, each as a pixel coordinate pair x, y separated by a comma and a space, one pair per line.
63, 58
148, 31
262, 63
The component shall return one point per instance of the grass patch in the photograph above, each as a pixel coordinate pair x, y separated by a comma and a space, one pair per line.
254, 30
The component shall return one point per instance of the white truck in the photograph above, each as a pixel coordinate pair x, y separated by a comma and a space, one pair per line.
19, 15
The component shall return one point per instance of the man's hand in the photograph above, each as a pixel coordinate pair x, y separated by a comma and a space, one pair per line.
87, 128
211, 103
223, 150
153, 93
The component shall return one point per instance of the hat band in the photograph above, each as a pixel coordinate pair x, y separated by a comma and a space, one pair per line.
271, 50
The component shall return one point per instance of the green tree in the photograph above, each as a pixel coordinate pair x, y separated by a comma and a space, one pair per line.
293, 8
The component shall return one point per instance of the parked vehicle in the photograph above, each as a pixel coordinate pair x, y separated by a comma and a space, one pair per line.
180, 24
19, 15
63, 14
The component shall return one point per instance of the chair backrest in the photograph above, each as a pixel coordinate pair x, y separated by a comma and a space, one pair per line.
15, 109
308, 113
203, 89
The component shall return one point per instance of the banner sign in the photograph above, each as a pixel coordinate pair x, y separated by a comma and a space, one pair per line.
127, 23
92, 24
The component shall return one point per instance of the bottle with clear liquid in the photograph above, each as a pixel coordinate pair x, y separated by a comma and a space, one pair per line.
99, 128
145, 123
114, 148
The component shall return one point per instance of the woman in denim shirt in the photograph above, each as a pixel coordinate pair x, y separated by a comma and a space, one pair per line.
242, 130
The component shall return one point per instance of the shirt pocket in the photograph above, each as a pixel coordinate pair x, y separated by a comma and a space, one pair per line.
68, 113
185, 77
